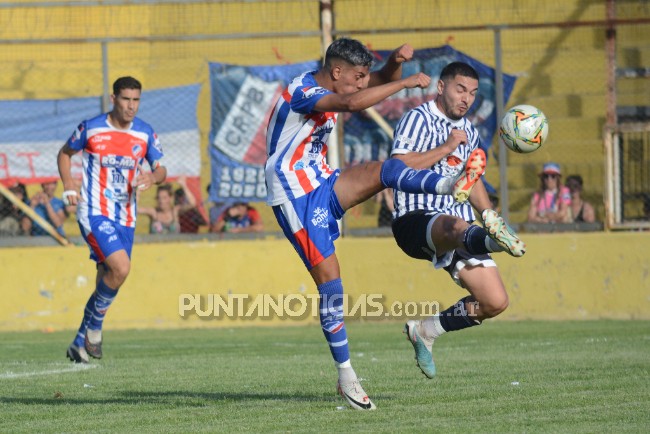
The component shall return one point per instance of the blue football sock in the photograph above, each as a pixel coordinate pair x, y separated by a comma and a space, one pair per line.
81, 333
397, 175
331, 319
104, 296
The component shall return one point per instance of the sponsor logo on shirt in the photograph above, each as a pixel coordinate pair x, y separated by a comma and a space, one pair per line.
406, 140
311, 91
118, 161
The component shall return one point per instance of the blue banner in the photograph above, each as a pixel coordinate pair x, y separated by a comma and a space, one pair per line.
243, 97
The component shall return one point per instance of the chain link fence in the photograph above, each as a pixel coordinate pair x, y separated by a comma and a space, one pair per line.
59, 60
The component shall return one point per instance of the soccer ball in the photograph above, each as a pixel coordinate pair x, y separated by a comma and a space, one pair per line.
523, 129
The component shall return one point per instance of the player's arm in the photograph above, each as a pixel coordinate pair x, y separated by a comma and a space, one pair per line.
64, 163
361, 100
413, 134
392, 70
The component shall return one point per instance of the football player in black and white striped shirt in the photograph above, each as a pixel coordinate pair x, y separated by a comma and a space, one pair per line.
438, 228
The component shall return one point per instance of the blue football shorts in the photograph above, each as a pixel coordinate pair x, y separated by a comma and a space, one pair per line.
310, 222
105, 237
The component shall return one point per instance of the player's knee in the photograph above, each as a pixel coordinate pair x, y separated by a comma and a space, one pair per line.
119, 272
494, 306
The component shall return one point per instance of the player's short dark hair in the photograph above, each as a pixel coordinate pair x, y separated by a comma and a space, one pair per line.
458, 68
126, 83
349, 50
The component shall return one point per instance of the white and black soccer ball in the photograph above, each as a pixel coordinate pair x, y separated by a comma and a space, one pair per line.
523, 129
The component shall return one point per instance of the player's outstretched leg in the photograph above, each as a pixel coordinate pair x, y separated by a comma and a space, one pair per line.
423, 348
503, 234
474, 168
397, 175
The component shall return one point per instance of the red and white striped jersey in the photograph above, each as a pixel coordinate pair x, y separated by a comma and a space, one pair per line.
110, 164
296, 141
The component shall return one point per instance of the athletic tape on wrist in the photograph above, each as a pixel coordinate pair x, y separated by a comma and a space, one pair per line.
66, 196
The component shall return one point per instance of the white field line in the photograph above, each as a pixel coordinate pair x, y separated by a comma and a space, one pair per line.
73, 368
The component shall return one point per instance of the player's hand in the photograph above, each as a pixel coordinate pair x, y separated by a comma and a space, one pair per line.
455, 139
403, 54
145, 179
420, 80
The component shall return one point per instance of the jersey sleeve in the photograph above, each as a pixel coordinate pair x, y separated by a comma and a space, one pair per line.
77, 140
411, 135
304, 99
154, 151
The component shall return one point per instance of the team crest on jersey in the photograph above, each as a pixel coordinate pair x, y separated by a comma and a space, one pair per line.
321, 217
106, 228
136, 151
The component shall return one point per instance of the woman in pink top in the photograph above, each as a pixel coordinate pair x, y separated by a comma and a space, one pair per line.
550, 204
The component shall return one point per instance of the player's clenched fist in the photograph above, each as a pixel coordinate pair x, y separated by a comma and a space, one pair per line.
417, 80
403, 54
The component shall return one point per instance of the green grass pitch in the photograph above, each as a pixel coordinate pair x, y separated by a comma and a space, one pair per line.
581, 376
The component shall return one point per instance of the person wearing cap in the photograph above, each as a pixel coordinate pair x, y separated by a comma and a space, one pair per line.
550, 204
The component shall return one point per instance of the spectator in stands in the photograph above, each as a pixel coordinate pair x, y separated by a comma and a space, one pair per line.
189, 216
580, 211
237, 218
51, 208
163, 218
13, 221
550, 204
216, 208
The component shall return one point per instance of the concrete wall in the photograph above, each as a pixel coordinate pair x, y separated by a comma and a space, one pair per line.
563, 276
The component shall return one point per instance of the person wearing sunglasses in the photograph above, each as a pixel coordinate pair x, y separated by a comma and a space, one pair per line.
550, 204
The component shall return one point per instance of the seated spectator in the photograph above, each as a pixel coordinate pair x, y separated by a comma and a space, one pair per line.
51, 208
550, 204
237, 218
189, 216
13, 221
163, 218
580, 210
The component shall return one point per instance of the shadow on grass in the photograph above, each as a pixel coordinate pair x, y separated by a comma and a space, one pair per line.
176, 398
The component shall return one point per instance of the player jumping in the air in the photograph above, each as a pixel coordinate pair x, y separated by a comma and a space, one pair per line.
114, 147
437, 227
308, 197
